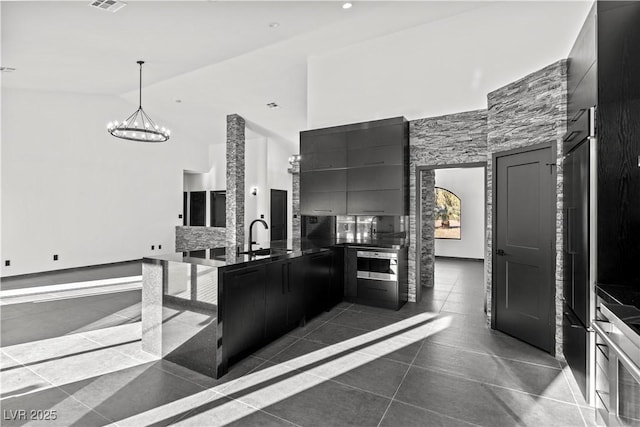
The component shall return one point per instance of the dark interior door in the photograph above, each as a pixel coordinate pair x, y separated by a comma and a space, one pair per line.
218, 209
197, 208
523, 247
278, 215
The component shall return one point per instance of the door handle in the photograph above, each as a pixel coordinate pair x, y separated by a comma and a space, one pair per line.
500, 252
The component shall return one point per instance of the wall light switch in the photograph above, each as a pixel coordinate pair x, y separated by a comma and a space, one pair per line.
55, 257
153, 247
7, 263
159, 246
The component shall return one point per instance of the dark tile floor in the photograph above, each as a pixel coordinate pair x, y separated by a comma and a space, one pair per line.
431, 363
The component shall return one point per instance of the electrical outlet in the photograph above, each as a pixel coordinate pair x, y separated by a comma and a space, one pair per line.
261, 216
55, 257
7, 263
153, 247
179, 216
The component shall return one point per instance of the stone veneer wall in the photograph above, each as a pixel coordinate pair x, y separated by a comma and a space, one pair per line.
526, 112
436, 141
235, 182
296, 231
190, 238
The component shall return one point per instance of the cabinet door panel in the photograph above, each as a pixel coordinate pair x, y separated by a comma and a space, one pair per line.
329, 203
276, 299
383, 202
244, 310
378, 290
376, 136
329, 159
317, 283
376, 156
319, 142
296, 270
323, 181
375, 178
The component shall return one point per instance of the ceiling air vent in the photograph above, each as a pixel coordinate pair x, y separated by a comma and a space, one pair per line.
109, 5
273, 105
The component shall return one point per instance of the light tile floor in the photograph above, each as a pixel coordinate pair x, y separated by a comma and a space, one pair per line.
432, 363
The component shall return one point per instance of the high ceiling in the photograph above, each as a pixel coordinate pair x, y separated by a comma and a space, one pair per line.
204, 59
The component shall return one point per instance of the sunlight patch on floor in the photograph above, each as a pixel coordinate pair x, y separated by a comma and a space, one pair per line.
279, 382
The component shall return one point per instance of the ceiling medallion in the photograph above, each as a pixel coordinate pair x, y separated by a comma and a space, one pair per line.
139, 126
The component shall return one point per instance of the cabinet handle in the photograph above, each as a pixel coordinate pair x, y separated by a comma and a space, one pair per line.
371, 211
323, 210
572, 135
374, 163
578, 115
283, 277
289, 276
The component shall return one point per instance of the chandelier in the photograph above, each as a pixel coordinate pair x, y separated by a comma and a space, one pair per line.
139, 126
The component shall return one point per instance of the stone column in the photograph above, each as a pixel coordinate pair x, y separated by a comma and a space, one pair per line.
296, 230
235, 183
427, 227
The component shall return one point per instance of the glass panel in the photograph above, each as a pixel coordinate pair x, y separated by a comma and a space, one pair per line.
628, 397
447, 214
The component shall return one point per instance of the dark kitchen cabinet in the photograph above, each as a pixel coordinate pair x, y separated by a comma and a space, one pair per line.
370, 156
376, 135
284, 296
379, 202
324, 181
375, 156
376, 178
336, 288
618, 140
243, 311
317, 282
323, 203
322, 150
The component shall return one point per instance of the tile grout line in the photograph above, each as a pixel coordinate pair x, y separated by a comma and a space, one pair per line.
50, 388
401, 381
495, 385
495, 355
564, 375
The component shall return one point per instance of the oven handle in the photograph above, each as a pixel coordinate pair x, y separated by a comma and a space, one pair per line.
622, 356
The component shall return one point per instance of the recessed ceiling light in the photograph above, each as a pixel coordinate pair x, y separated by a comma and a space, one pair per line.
7, 69
347, 5
274, 25
273, 105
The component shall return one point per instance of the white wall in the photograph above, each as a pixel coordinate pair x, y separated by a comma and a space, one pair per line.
70, 188
435, 68
255, 175
469, 185
267, 161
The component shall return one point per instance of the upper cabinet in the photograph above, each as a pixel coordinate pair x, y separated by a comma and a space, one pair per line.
618, 141
603, 69
358, 169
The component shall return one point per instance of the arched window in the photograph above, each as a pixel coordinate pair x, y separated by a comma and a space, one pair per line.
447, 214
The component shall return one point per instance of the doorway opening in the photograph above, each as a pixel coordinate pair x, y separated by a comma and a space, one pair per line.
450, 212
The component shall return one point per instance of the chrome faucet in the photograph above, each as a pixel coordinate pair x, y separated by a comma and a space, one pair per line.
251, 242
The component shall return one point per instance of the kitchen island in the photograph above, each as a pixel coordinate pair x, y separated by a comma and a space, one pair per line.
206, 312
